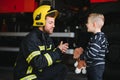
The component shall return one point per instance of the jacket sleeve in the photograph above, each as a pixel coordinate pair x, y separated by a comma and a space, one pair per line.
38, 58
93, 48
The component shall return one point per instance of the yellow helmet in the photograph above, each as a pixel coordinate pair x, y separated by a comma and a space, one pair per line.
40, 13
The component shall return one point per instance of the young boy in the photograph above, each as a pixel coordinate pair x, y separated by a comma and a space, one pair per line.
94, 55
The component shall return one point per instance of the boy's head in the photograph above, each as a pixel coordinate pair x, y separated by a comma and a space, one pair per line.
95, 22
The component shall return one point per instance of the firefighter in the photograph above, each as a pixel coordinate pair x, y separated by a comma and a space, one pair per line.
38, 58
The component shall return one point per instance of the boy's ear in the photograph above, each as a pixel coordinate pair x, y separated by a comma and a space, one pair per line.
94, 24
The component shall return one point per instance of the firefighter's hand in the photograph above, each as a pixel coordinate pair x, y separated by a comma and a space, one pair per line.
77, 52
63, 46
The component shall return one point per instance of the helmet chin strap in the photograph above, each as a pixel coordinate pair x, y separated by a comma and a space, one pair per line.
41, 28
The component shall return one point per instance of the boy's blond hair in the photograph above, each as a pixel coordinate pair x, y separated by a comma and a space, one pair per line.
98, 18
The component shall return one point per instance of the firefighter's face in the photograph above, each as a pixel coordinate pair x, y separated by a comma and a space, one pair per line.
49, 25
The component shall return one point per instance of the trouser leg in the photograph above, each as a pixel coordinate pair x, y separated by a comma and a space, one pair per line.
55, 72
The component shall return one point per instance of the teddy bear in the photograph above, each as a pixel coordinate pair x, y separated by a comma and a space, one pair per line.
79, 64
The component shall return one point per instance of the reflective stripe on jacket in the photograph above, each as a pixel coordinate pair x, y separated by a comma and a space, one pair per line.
37, 51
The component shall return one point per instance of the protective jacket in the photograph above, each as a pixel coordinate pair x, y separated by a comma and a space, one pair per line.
37, 54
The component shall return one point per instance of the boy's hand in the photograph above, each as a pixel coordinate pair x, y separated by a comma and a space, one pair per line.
77, 52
